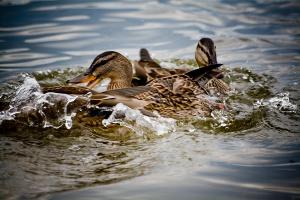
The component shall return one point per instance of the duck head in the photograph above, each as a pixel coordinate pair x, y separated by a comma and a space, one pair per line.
109, 70
206, 55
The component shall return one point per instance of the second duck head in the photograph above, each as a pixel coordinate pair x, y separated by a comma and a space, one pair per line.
206, 55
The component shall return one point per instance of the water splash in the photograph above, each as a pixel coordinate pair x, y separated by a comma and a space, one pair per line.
24, 97
221, 118
47, 103
34, 108
26, 93
280, 102
138, 122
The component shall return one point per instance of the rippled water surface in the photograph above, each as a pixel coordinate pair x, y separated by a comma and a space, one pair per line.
252, 151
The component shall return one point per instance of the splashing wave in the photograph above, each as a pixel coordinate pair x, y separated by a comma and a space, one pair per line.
280, 102
159, 125
31, 106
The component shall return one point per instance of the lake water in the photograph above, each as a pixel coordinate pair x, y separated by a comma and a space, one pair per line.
251, 153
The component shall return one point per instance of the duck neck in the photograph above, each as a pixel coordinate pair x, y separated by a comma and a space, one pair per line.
121, 76
117, 84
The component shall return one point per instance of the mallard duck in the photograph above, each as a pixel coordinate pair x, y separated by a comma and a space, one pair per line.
147, 69
177, 96
173, 96
206, 55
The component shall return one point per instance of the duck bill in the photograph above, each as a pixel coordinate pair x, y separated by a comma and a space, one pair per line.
216, 72
83, 80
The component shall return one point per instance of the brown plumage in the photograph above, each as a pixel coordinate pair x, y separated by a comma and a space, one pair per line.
146, 69
107, 63
169, 93
176, 96
205, 55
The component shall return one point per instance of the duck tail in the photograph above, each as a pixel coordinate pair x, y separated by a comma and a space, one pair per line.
196, 74
145, 56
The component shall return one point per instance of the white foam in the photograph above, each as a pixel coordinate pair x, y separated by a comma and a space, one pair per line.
280, 102
159, 125
68, 120
24, 97
221, 117
27, 92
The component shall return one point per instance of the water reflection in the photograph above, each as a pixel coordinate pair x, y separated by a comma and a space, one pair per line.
206, 166
73, 18
61, 37
34, 63
56, 29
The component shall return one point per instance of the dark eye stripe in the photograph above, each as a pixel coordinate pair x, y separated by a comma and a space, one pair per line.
101, 60
206, 53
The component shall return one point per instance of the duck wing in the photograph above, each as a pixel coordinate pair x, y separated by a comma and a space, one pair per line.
124, 95
68, 90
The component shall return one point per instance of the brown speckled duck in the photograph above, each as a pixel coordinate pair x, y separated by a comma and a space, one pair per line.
176, 96
147, 70
206, 55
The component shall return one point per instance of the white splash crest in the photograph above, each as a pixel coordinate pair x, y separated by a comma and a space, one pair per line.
25, 95
27, 92
221, 117
50, 101
280, 102
159, 125
52, 107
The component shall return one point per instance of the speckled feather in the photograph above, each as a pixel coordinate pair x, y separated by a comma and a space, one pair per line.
177, 96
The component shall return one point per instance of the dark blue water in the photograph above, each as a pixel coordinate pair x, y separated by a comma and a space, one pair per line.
260, 162
56, 34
